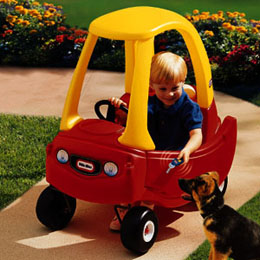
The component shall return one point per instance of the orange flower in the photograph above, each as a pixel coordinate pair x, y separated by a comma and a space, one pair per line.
33, 31
24, 11
220, 13
241, 29
19, 8
226, 25
255, 30
195, 11
209, 33
195, 18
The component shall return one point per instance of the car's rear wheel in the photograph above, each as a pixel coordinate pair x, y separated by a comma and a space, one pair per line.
55, 209
139, 229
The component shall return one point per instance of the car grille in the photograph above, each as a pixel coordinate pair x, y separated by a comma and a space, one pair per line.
85, 166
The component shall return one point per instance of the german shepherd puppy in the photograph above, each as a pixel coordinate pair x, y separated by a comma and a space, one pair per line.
229, 233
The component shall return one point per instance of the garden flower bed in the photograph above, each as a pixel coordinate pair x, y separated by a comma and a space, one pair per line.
34, 34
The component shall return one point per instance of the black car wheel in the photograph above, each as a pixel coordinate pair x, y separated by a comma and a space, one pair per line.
139, 229
55, 209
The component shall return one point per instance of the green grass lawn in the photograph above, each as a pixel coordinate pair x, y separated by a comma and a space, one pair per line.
22, 155
82, 12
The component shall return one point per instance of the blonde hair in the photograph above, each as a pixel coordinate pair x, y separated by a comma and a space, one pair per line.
167, 67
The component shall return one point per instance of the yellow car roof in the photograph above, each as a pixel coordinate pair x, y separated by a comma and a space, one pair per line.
141, 23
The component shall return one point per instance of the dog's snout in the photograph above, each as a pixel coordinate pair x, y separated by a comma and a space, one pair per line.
184, 185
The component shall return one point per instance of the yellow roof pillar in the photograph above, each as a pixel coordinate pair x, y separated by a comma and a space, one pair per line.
136, 133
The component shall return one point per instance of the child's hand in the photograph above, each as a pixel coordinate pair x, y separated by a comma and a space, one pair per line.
117, 102
192, 145
185, 154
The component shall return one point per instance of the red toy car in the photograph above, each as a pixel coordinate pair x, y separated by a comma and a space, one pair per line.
97, 160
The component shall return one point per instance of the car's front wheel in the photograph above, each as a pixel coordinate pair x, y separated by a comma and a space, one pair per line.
139, 229
55, 209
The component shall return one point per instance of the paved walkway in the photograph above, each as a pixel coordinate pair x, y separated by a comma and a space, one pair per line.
42, 92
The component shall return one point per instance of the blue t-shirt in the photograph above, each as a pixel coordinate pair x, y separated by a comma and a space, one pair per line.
170, 127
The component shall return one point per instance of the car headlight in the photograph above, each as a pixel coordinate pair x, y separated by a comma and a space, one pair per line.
110, 169
62, 156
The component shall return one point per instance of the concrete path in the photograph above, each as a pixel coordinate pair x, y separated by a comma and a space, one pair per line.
42, 92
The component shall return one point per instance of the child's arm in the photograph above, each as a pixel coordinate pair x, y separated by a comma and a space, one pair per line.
192, 145
120, 116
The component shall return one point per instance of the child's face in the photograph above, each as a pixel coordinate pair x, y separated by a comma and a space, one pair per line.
167, 92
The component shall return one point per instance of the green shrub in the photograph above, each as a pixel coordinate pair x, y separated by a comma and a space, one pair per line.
35, 34
26, 29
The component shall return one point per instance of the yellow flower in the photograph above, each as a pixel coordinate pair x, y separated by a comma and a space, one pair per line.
188, 17
47, 14
25, 23
243, 20
49, 23
195, 18
34, 12
231, 28
14, 2
214, 17
241, 29
255, 30
19, 21
24, 11
11, 18
59, 6
52, 10
205, 13
202, 17
36, 3
209, 33
195, 11
231, 15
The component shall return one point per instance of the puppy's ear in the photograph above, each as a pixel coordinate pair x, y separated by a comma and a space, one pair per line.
215, 176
